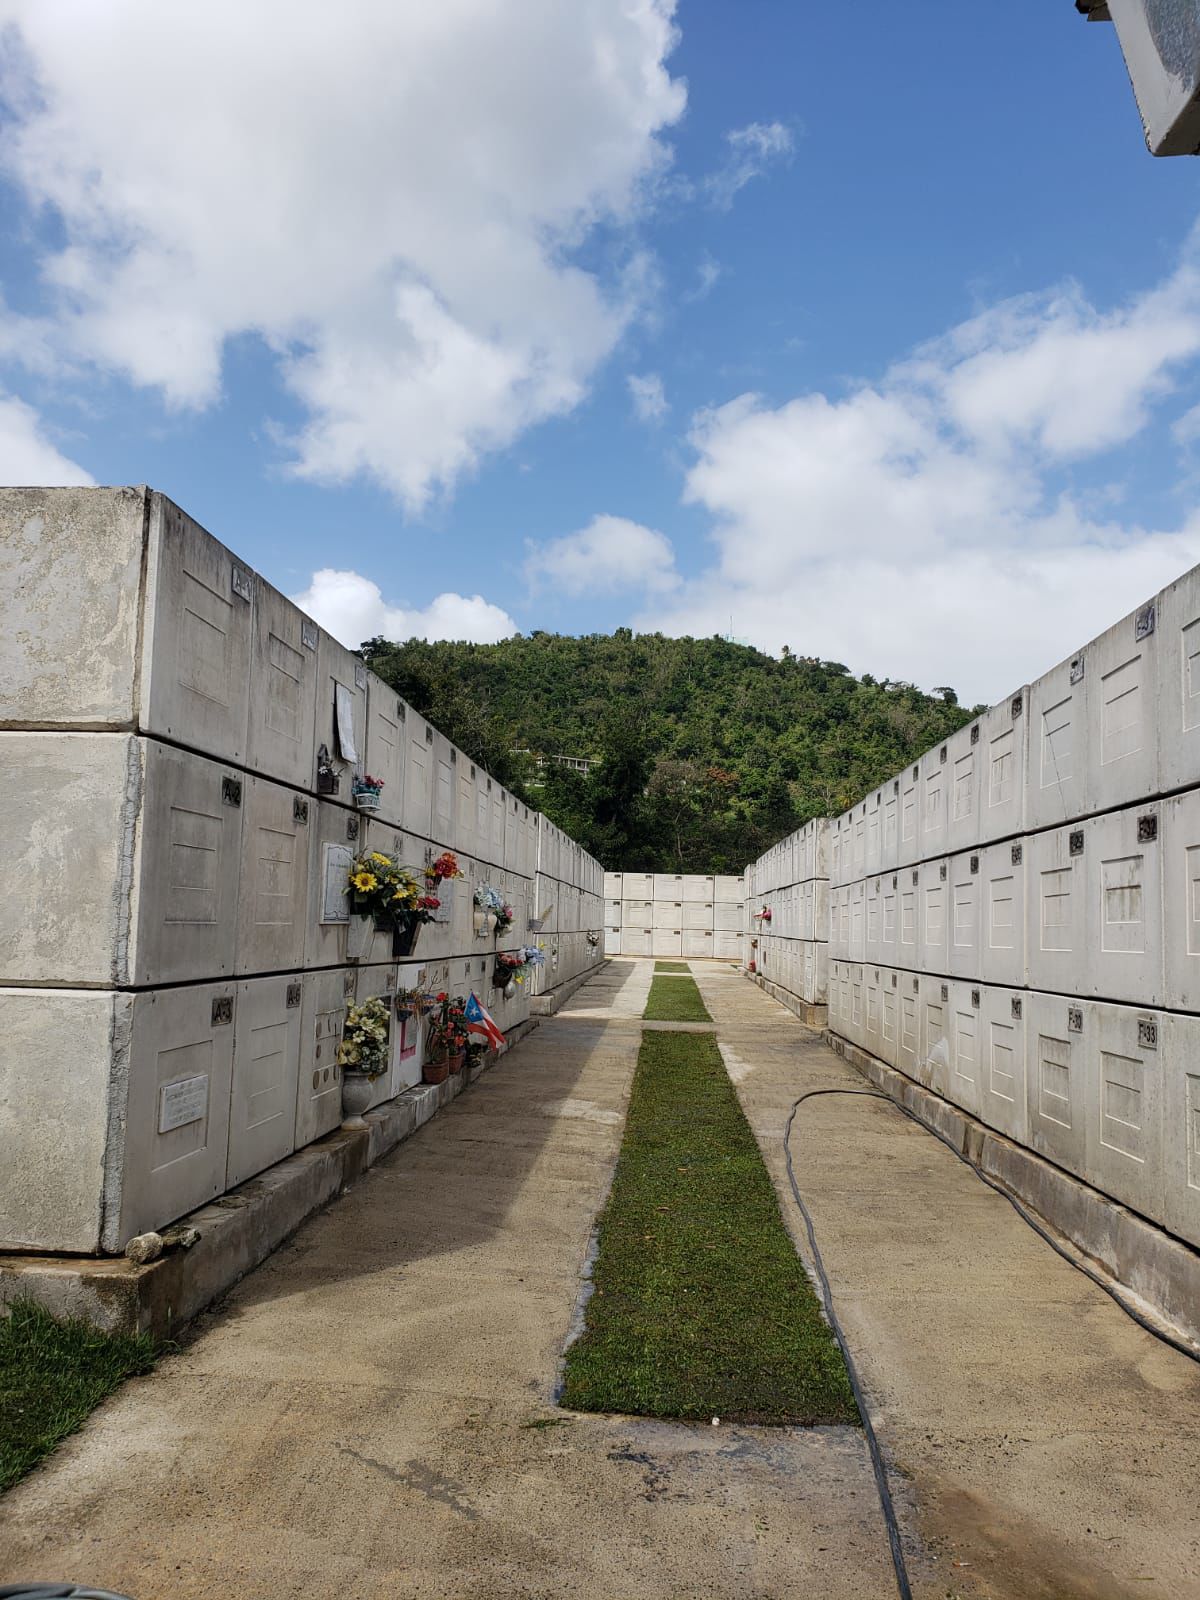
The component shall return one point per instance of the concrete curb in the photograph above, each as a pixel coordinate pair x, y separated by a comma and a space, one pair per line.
1156, 1274
813, 1016
237, 1232
545, 1005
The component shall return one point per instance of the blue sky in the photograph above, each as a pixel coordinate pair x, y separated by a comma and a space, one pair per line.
870, 330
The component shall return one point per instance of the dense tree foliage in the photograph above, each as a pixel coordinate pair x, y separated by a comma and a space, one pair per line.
709, 751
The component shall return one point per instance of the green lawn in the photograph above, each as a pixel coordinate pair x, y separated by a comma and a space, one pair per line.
52, 1375
701, 1307
675, 1000
671, 966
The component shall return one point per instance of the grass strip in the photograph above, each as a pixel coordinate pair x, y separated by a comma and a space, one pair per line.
53, 1374
671, 966
700, 1305
675, 1000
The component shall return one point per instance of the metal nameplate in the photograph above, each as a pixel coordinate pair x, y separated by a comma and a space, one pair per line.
222, 1011
975, 997
360, 677
974, 863
1077, 669
1017, 855
182, 1102
352, 827
1147, 831
1147, 1034
942, 872
1074, 1019
308, 634
1075, 843
299, 810
945, 991
231, 791
241, 583
1016, 1008
1144, 622
1017, 706
293, 996
975, 734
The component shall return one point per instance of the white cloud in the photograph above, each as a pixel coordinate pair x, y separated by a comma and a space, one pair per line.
609, 555
26, 455
751, 151
353, 609
920, 527
649, 397
707, 275
388, 192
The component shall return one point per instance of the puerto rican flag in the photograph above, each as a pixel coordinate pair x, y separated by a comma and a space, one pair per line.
480, 1020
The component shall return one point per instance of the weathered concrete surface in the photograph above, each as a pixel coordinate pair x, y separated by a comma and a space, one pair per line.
1043, 1444
237, 1231
371, 1412
549, 1001
1156, 1273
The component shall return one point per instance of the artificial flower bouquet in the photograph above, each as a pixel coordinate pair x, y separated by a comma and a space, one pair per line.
382, 887
491, 900
444, 868
364, 1046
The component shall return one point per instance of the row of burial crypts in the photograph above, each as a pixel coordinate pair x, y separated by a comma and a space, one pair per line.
198, 777
674, 914
1014, 919
787, 907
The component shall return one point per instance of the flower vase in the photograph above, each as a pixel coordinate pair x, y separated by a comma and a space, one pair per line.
357, 1088
367, 799
359, 932
509, 990
404, 938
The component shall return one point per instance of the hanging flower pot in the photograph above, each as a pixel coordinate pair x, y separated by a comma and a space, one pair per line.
404, 937
367, 792
509, 990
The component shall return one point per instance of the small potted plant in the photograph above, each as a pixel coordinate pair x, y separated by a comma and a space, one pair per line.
367, 792
363, 1057
448, 1039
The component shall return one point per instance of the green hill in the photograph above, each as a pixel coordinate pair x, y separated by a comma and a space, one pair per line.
709, 751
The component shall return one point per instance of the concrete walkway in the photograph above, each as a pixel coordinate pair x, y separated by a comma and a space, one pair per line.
371, 1413
1044, 1445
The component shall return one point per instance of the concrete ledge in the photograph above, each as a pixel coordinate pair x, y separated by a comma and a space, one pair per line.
237, 1232
813, 1015
1152, 1272
546, 1004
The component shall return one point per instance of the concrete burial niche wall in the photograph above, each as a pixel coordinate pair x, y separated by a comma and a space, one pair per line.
789, 910
179, 746
681, 916
1030, 950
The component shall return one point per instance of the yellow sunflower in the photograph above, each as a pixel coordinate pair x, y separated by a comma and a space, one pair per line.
365, 881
